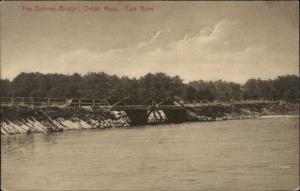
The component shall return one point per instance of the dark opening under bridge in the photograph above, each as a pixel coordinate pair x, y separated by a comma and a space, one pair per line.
174, 111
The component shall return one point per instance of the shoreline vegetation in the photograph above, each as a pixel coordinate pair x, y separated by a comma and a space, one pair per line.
210, 100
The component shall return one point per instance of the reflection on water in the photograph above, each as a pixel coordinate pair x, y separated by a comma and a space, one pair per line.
258, 154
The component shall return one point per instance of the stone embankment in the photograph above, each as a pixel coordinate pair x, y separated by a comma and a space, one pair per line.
17, 120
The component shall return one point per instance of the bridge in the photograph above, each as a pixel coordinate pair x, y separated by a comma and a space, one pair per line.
173, 109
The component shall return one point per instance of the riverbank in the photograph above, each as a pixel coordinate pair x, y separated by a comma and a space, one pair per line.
223, 111
22, 119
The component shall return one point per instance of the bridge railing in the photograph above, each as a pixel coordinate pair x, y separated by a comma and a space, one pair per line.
79, 102
48, 102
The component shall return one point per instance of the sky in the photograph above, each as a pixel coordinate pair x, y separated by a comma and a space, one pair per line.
227, 40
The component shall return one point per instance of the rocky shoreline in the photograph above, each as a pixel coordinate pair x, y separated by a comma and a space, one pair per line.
221, 111
18, 120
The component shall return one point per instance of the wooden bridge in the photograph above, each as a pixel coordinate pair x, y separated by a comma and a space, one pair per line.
174, 110
138, 114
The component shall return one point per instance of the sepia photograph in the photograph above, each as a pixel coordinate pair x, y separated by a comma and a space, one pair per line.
149, 95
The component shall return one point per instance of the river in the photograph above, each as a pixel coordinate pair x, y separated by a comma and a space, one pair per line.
254, 154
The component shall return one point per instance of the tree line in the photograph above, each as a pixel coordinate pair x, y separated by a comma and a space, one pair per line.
157, 86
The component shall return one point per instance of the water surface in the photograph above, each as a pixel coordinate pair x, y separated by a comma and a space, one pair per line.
256, 154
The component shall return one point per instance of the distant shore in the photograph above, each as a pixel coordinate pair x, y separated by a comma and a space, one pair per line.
225, 111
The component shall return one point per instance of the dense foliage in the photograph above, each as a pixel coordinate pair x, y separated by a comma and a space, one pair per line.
157, 86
